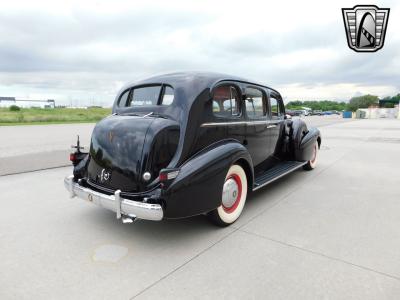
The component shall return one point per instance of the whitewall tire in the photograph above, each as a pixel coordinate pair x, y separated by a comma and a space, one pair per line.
234, 194
312, 163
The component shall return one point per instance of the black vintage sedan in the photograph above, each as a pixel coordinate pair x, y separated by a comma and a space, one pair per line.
185, 144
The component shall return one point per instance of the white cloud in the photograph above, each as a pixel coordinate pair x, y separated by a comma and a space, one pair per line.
85, 50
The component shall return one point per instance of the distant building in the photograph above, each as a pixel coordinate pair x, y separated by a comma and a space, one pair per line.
377, 113
26, 103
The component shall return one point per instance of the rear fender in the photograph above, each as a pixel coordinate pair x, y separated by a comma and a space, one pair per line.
304, 151
198, 187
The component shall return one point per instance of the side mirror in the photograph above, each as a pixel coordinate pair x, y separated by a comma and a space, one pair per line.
288, 117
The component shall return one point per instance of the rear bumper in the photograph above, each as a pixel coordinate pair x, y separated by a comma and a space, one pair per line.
120, 206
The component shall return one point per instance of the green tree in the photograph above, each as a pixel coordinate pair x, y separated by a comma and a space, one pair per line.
388, 105
396, 98
14, 108
362, 102
323, 105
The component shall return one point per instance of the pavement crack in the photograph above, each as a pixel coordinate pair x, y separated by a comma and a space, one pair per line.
321, 254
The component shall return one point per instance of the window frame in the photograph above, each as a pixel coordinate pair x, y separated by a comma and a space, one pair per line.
265, 115
127, 99
162, 93
278, 98
239, 104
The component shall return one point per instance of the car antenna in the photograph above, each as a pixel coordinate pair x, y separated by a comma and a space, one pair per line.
78, 145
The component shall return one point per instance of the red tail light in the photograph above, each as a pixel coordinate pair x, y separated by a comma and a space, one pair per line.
163, 177
168, 174
72, 157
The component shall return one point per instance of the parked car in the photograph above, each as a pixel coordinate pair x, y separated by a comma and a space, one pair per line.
295, 113
317, 112
185, 144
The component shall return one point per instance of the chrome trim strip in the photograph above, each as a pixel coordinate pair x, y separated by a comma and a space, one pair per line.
115, 203
211, 124
277, 177
117, 196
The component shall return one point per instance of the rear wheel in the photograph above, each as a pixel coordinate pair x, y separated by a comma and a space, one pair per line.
234, 195
312, 163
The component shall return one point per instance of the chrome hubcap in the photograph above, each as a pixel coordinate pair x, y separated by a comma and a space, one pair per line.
230, 193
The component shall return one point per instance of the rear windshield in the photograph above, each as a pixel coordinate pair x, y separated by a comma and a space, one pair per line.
147, 96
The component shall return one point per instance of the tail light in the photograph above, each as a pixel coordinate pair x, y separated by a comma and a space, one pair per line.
168, 174
72, 157
77, 157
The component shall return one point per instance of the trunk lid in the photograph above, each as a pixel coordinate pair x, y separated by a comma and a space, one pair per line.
116, 152
123, 147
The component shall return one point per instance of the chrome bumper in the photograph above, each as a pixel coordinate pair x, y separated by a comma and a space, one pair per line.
122, 207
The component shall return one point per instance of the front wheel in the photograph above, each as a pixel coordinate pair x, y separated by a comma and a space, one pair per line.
234, 195
312, 163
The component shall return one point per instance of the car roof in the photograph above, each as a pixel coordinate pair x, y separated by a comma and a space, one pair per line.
183, 79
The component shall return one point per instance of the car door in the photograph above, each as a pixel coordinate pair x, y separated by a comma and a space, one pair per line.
223, 117
228, 96
275, 123
256, 124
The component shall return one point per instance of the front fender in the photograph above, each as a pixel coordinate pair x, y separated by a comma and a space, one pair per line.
198, 187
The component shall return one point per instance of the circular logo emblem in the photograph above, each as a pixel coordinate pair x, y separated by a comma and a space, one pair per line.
105, 175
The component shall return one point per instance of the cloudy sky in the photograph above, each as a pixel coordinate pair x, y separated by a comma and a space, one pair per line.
82, 52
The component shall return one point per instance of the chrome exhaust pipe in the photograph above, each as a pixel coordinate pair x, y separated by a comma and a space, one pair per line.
128, 220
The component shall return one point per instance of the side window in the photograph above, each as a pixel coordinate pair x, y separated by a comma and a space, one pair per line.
123, 99
274, 107
226, 101
255, 100
168, 96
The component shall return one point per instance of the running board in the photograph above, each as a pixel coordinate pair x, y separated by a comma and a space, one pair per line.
277, 172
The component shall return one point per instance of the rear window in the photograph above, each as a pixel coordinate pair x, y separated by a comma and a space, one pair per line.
147, 96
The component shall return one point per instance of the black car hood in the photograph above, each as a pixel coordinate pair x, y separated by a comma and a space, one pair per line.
116, 151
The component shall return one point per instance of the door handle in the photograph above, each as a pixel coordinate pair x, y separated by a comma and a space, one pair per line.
271, 126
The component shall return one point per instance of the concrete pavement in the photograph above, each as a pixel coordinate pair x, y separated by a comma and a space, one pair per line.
330, 233
33, 147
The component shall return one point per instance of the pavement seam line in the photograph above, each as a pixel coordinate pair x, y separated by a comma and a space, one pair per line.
36, 170
183, 264
320, 254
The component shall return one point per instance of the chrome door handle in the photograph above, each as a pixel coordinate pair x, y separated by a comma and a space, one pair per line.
271, 126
